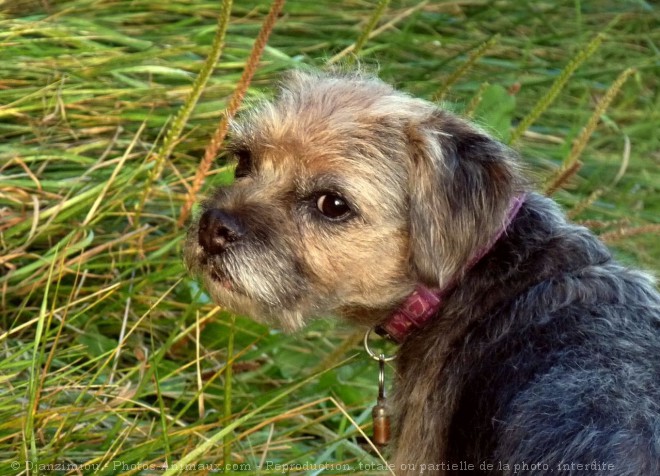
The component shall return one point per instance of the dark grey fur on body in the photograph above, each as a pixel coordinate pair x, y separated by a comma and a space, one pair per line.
551, 359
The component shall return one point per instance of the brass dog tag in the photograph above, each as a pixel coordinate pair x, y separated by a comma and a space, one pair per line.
381, 436
380, 415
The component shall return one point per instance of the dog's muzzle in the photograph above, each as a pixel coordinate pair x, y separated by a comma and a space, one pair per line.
218, 230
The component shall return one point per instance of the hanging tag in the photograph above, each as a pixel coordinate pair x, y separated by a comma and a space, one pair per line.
380, 415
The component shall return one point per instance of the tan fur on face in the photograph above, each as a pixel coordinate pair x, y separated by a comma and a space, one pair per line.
379, 149
305, 142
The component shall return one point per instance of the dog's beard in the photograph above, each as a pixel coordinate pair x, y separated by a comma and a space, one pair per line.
259, 283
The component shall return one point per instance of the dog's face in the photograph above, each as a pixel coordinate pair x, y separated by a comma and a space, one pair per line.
336, 207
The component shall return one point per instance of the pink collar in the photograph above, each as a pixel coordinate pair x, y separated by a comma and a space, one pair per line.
424, 303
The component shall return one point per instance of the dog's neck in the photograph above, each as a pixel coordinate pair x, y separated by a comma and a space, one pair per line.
424, 303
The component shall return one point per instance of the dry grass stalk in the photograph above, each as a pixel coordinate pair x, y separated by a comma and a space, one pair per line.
556, 87
562, 178
618, 235
212, 149
585, 134
584, 204
476, 100
173, 134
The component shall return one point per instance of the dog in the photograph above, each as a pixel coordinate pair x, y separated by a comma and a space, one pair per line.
525, 348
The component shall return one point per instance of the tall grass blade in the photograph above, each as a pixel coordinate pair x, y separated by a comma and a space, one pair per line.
179, 466
229, 375
477, 54
569, 164
34, 387
368, 28
556, 88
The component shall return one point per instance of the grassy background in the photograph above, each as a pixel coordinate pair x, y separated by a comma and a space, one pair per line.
110, 355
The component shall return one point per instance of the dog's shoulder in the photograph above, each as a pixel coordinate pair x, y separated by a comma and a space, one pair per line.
562, 356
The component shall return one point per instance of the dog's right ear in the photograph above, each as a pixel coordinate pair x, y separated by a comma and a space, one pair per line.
461, 183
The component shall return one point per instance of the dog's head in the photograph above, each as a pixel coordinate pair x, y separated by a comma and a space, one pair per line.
347, 195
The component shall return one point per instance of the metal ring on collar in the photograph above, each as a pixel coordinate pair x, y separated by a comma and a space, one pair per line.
371, 353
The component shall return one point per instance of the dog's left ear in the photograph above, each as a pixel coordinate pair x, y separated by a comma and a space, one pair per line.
461, 183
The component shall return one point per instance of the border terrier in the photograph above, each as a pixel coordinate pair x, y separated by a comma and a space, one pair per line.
524, 346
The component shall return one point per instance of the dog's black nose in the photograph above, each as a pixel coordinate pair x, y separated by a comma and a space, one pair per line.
218, 230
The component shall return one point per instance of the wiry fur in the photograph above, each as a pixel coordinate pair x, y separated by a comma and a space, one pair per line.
544, 354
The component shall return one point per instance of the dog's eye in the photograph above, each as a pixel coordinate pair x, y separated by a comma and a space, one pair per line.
332, 206
244, 166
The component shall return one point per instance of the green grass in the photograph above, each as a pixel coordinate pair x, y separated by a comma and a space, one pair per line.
110, 354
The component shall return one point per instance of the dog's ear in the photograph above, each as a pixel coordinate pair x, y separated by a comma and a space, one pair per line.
461, 183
